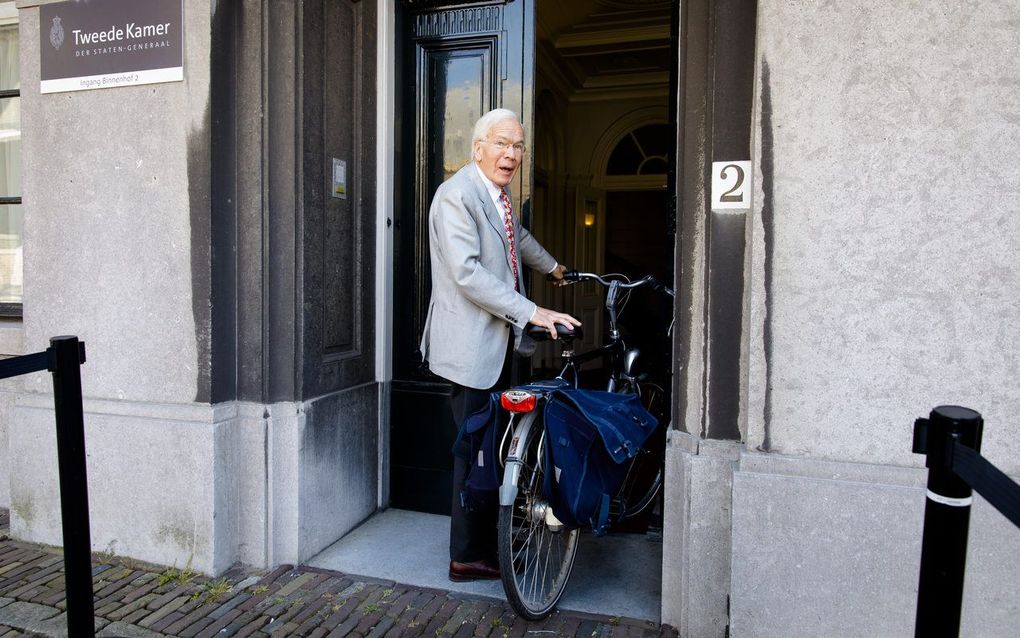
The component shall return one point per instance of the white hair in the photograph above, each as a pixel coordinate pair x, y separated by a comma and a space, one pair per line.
490, 119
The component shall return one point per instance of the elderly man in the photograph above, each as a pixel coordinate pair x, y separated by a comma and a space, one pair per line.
478, 310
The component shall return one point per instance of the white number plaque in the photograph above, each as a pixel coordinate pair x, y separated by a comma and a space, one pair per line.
731, 185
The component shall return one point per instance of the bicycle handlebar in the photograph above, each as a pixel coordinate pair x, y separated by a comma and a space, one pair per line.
574, 276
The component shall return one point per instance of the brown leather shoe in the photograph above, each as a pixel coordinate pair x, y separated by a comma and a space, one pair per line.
477, 570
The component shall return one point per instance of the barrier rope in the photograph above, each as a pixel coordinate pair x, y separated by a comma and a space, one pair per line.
988, 481
17, 366
45, 360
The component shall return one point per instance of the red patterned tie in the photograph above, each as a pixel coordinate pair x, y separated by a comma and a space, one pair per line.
508, 221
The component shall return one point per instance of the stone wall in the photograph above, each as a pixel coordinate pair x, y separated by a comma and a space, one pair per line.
119, 251
881, 283
885, 229
882, 277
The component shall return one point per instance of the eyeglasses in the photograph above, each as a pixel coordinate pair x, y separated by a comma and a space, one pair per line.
502, 145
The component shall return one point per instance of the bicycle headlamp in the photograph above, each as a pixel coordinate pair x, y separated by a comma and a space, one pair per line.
518, 401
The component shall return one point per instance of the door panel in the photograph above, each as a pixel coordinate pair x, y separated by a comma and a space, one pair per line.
338, 232
457, 63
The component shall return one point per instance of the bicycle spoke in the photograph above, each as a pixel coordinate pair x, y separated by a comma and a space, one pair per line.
544, 571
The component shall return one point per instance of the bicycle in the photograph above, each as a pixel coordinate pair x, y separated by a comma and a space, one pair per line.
536, 551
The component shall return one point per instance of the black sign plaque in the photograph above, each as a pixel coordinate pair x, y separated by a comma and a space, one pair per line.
104, 44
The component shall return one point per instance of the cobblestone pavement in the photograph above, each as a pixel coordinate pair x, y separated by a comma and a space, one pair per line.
135, 599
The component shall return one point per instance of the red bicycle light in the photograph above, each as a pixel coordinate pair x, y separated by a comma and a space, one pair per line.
518, 401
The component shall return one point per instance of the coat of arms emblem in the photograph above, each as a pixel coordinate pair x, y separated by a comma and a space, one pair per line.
56, 33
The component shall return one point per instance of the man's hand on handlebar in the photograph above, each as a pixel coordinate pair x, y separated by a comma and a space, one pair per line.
556, 276
549, 318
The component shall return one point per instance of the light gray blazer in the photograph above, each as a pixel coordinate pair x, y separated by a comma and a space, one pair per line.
474, 304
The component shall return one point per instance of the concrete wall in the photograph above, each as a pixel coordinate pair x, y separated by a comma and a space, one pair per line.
204, 486
12, 336
113, 201
770, 545
111, 195
697, 524
321, 479
117, 199
884, 245
833, 549
153, 488
339, 486
882, 283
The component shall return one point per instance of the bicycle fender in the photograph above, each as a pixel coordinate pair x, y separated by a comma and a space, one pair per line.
512, 471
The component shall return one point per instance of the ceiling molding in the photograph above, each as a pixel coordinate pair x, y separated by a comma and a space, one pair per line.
438, 4
623, 86
627, 80
632, 4
644, 36
632, 182
626, 93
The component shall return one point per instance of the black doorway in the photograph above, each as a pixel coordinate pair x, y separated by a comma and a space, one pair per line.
455, 63
583, 74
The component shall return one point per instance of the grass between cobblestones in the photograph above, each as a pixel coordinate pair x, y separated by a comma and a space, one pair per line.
140, 599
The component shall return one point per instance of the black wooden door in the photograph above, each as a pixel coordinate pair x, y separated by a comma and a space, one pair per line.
457, 61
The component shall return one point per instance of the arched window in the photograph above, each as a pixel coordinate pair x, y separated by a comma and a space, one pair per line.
642, 151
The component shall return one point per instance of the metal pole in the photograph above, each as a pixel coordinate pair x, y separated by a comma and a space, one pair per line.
67, 356
946, 518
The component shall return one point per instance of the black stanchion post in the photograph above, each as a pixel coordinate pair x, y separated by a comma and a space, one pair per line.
946, 518
67, 355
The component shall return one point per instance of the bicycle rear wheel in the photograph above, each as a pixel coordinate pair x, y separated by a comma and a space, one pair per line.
535, 561
643, 482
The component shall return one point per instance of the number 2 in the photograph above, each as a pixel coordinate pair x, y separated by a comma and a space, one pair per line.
727, 196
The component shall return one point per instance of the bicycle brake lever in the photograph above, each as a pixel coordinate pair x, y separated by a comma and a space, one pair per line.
612, 294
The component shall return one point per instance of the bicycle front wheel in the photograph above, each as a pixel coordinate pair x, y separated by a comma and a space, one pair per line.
535, 559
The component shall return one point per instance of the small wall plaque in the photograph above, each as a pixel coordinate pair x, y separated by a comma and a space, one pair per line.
339, 178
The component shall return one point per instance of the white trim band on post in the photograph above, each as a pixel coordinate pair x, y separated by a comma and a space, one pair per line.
950, 501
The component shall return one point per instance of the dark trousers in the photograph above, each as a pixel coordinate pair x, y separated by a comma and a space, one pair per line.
473, 534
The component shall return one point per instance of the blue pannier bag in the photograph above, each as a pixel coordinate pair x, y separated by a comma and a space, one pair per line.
476, 442
590, 435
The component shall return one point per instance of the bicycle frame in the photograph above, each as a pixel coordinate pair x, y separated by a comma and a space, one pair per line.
515, 457
572, 362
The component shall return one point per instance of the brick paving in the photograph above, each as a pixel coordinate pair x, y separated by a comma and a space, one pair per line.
141, 600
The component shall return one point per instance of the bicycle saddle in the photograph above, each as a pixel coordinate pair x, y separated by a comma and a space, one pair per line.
538, 333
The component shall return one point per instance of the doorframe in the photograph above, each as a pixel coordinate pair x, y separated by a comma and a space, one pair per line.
690, 23
713, 111
386, 94
385, 157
